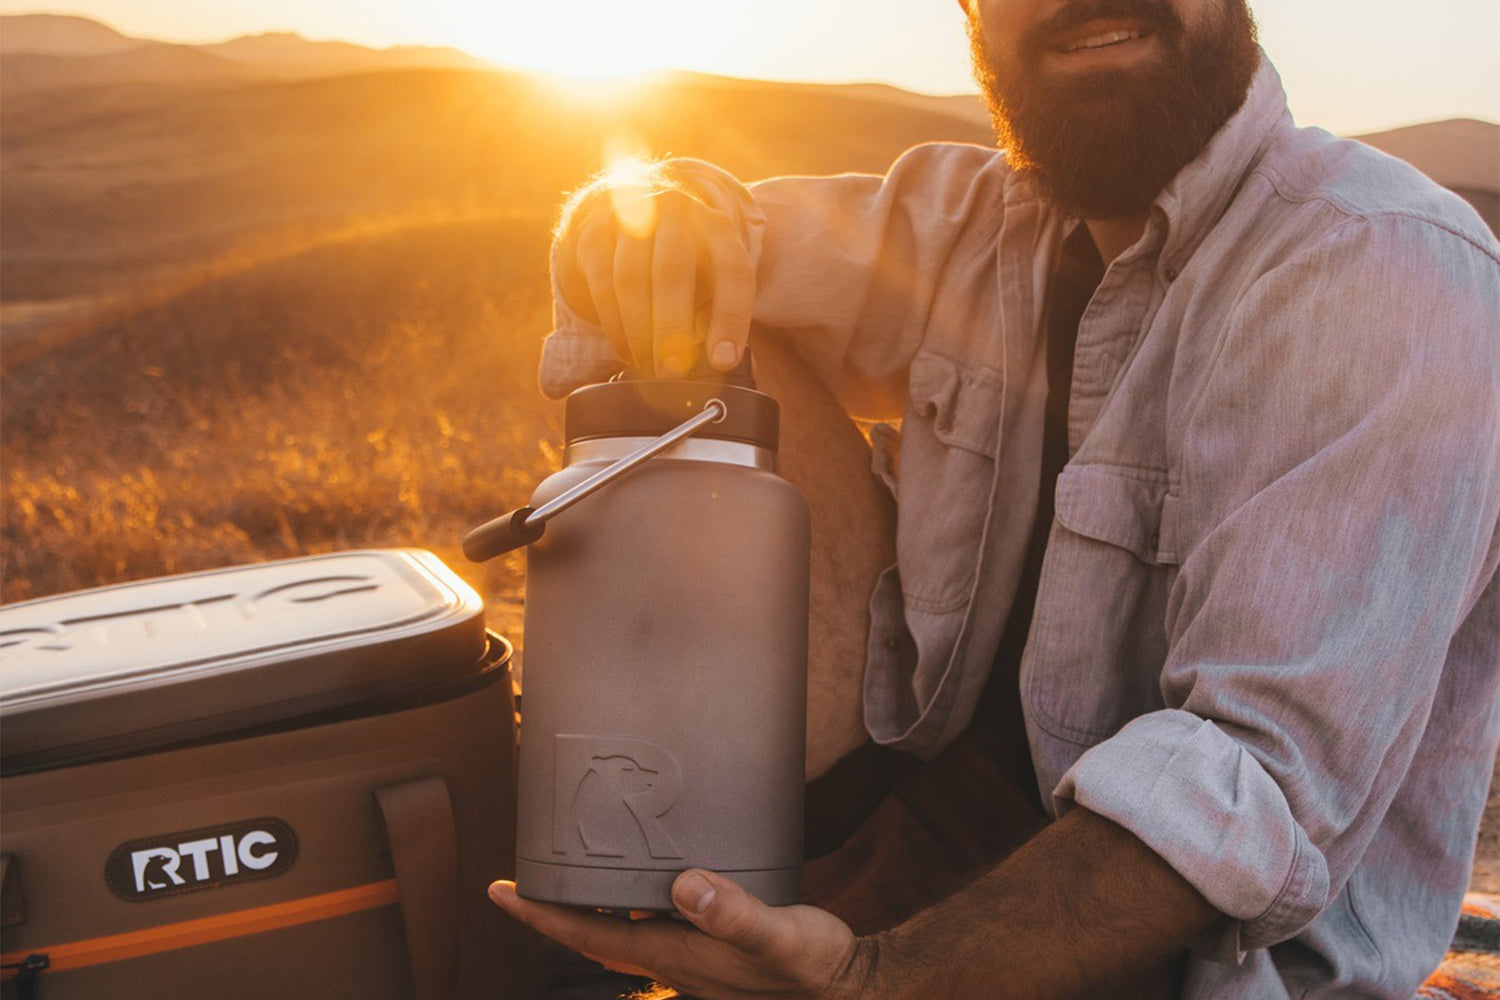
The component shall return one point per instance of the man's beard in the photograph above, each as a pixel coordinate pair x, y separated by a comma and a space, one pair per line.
1102, 145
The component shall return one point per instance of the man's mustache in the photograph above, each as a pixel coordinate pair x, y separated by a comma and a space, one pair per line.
1156, 15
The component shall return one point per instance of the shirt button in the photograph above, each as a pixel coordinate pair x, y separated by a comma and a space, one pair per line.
1170, 272
892, 642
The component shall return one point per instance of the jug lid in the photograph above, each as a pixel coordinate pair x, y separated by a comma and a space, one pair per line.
650, 407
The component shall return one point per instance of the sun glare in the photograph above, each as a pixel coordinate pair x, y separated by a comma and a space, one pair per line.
631, 179
587, 40
598, 91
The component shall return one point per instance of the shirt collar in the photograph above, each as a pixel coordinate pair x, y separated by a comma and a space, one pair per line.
1192, 202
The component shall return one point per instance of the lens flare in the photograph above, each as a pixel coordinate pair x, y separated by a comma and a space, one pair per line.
631, 179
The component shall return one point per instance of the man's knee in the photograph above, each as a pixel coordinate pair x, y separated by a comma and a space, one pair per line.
853, 538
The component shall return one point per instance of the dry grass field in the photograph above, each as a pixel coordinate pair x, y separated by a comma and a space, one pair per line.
366, 391
249, 321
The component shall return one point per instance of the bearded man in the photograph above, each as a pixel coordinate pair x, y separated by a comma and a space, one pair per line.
1198, 523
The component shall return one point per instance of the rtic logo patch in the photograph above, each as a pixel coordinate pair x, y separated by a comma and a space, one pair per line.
611, 795
200, 859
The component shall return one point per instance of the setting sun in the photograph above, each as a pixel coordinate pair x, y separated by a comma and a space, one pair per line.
599, 92
586, 39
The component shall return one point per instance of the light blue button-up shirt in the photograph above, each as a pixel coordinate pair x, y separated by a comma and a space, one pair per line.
1267, 636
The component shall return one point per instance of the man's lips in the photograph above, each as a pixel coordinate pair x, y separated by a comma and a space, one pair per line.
1099, 35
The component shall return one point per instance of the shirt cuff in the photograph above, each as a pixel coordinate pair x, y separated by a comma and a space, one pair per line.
721, 191
575, 357
1201, 800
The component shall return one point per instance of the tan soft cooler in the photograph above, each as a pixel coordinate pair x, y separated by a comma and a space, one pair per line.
292, 779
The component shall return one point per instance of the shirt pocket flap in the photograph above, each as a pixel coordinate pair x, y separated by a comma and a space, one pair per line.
963, 405
1122, 507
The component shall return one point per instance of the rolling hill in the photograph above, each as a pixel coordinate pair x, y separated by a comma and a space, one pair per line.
95, 192
51, 51
60, 35
150, 62
250, 314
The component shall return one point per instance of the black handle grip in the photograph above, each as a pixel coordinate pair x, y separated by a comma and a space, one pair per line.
504, 533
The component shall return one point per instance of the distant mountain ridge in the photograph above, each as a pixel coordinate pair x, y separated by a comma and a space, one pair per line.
149, 62
1460, 153
45, 51
61, 35
55, 52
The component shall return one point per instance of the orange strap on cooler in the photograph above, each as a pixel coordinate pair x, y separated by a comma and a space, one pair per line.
418, 818
169, 937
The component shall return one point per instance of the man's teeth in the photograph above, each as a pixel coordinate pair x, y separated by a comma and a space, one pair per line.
1100, 41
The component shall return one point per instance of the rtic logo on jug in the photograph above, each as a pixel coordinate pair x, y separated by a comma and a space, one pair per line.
611, 795
200, 859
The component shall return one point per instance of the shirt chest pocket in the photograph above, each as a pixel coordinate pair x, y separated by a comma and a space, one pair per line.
949, 439
1098, 639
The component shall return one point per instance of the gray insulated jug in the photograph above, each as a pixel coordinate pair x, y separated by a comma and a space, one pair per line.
664, 703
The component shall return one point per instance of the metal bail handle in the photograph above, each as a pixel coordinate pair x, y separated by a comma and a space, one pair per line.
524, 525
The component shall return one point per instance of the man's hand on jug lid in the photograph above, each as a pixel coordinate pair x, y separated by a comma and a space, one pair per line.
663, 275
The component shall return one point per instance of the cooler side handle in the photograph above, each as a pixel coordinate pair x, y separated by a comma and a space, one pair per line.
419, 825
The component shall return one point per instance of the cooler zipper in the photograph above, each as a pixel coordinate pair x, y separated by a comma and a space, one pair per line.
26, 973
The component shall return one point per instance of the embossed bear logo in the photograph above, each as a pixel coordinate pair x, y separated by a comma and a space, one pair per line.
611, 795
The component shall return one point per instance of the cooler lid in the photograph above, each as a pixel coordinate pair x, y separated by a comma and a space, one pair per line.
126, 668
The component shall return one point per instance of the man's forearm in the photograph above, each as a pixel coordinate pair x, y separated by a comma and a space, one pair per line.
1082, 906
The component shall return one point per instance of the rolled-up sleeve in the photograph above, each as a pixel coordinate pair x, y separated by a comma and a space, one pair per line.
1339, 509
1200, 799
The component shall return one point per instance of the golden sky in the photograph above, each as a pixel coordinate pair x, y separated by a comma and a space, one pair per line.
1349, 65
